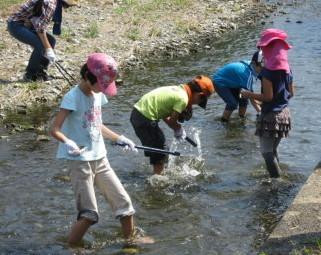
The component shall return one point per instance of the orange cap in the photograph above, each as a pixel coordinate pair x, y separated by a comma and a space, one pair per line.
205, 84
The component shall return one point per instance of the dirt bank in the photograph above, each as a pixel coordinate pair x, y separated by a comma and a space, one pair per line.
134, 32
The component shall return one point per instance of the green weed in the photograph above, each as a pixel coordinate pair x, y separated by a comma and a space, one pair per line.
133, 34
2, 46
92, 31
67, 34
32, 85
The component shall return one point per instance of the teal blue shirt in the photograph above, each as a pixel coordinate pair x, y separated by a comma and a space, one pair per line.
235, 75
83, 125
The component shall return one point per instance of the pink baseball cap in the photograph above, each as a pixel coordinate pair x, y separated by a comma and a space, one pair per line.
104, 67
271, 34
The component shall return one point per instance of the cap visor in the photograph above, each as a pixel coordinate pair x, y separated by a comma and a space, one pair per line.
110, 89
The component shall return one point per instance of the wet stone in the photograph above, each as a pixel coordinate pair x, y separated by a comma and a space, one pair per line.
43, 138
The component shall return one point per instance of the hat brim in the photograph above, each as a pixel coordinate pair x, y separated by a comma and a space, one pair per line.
266, 41
109, 89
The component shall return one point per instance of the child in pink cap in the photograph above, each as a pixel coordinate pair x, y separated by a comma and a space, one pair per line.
274, 123
79, 129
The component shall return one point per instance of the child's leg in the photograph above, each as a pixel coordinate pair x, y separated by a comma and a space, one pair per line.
158, 167
78, 230
127, 224
82, 176
243, 102
150, 135
231, 103
267, 150
275, 148
226, 115
242, 111
115, 193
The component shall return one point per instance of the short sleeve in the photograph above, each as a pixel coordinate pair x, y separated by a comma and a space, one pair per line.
104, 99
69, 102
180, 105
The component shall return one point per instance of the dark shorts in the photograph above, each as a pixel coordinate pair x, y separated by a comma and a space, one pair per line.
149, 134
231, 97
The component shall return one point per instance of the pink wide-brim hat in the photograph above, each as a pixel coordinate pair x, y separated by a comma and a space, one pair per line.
271, 34
104, 67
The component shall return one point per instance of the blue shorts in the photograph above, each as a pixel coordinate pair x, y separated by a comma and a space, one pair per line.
231, 97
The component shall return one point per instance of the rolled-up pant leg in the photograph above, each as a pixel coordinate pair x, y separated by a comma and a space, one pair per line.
82, 179
113, 190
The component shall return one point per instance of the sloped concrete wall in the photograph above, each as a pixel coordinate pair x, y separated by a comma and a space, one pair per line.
301, 223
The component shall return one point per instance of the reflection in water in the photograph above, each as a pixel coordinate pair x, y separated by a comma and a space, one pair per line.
215, 199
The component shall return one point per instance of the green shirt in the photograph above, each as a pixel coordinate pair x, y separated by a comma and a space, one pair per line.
161, 102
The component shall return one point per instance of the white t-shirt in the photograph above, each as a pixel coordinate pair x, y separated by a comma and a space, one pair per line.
83, 125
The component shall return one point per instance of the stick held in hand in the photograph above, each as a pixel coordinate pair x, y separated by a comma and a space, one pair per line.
191, 141
150, 149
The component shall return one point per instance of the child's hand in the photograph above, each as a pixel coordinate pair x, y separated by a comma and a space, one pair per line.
72, 148
245, 93
180, 133
129, 144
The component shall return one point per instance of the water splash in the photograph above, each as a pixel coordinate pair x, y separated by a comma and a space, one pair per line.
181, 171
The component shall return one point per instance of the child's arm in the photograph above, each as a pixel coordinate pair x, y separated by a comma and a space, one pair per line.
172, 121
72, 147
57, 124
256, 105
267, 94
111, 135
292, 89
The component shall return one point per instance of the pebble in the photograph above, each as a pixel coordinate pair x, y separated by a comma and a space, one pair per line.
43, 138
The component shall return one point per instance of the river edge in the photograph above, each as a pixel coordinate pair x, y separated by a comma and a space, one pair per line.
176, 38
298, 231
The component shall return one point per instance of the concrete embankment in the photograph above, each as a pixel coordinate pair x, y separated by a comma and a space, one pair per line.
300, 228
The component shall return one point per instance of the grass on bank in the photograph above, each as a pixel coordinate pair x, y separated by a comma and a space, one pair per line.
143, 17
143, 7
92, 30
6, 6
8, 3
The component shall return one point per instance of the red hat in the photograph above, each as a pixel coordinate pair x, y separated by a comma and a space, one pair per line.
104, 68
271, 34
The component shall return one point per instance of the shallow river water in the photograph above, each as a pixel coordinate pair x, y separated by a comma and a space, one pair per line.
229, 208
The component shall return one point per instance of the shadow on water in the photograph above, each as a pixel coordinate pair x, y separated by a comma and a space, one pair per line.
215, 199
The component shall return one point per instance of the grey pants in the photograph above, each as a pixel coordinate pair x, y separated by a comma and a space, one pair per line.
269, 144
268, 148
